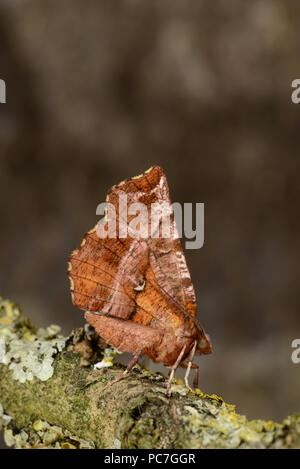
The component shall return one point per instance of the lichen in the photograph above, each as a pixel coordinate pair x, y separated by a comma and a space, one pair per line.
27, 351
4, 419
144, 372
117, 444
109, 355
134, 413
43, 435
213, 423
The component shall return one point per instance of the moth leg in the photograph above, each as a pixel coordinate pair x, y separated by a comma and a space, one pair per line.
196, 377
125, 372
189, 366
194, 366
173, 369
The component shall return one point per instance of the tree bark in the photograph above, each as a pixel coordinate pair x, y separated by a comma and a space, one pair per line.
51, 396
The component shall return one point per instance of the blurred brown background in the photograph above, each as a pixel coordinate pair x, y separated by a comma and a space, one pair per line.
98, 91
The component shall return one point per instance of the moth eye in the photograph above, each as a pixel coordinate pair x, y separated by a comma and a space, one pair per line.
140, 286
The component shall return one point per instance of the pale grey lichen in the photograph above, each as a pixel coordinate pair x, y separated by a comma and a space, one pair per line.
179, 389
2, 350
4, 419
211, 422
27, 351
89, 331
117, 444
109, 355
43, 435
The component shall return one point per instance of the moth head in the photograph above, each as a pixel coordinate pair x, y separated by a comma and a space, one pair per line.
204, 344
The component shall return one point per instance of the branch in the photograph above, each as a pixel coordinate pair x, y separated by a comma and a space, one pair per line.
51, 396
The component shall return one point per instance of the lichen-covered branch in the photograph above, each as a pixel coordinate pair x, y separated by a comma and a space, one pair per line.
51, 396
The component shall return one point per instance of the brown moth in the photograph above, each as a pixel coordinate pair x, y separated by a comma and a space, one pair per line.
137, 290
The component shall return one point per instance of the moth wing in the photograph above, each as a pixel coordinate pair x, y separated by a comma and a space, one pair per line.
166, 256
106, 274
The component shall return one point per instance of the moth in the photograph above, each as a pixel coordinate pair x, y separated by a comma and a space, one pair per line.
137, 290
